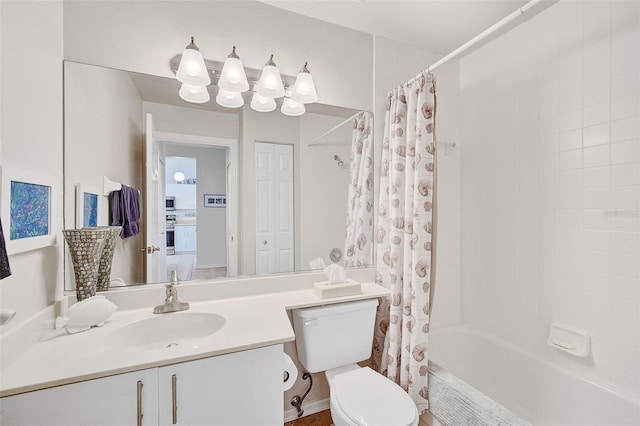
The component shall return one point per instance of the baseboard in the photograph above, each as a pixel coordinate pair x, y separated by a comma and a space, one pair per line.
213, 265
310, 408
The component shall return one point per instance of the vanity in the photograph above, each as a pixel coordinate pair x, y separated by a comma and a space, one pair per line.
220, 362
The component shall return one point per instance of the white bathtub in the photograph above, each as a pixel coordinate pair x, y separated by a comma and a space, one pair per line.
534, 389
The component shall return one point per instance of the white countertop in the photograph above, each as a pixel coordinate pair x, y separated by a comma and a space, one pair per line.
251, 322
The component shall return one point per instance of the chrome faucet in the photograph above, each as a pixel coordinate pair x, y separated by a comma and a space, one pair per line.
171, 302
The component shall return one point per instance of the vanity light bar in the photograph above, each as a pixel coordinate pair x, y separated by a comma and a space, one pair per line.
215, 68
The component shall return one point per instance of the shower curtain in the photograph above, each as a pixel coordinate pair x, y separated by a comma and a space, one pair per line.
405, 239
358, 248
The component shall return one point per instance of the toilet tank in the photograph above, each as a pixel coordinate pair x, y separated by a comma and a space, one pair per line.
334, 335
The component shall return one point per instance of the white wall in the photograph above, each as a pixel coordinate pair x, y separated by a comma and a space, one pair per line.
31, 134
395, 63
551, 185
103, 137
192, 121
323, 185
144, 36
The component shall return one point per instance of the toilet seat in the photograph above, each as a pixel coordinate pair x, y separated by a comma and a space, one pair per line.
368, 398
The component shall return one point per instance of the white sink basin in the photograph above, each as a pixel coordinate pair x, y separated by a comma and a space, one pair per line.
165, 331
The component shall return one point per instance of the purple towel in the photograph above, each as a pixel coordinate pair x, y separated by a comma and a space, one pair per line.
5, 269
125, 211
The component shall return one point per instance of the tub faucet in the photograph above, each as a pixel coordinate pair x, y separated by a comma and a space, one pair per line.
171, 302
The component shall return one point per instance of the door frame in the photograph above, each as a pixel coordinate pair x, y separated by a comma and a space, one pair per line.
232, 186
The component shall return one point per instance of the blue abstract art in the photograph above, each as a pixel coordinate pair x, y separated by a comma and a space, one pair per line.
30, 210
90, 213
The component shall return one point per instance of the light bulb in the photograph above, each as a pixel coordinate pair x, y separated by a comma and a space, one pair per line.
304, 90
262, 104
292, 108
194, 94
192, 69
178, 177
233, 77
229, 99
270, 84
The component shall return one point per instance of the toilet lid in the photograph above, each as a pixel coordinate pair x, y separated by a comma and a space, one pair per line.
369, 398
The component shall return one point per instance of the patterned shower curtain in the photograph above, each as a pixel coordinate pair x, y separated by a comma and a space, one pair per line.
405, 252
358, 248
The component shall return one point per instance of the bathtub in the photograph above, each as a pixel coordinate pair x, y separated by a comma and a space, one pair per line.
534, 389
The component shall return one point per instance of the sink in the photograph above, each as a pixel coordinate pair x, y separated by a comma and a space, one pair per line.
165, 331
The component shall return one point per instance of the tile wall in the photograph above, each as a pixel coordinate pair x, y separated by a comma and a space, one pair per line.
551, 185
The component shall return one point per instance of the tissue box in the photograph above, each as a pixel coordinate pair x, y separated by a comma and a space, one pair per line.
325, 290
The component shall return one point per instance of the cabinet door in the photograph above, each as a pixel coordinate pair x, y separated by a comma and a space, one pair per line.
243, 388
112, 401
180, 239
191, 239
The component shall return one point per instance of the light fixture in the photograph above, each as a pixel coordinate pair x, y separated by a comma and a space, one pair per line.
292, 108
194, 94
178, 177
270, 85
262, 104
192, 69
304, 90
233, 77
229, 99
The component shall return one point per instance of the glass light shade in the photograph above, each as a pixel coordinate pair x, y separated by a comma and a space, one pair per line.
233, 77
229, 99
262, 104
304, 90
292, 108
194, 94
270, 84
192, 69
178, 177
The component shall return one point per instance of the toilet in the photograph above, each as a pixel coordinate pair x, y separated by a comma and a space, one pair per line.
332, 338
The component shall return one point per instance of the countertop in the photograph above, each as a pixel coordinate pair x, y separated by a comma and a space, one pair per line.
251, 322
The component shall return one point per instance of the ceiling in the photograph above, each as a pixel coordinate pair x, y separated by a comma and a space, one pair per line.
439, 26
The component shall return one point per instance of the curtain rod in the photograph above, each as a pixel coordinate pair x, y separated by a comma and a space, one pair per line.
313, 142
501, 23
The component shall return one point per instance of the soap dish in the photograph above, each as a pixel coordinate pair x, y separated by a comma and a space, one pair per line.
326, 290
569, 339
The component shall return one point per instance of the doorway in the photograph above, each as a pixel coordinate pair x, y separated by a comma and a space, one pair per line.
201, 179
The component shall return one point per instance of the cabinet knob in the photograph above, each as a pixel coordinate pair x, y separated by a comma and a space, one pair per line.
264, 242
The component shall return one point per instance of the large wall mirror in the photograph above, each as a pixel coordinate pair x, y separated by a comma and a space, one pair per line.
223, 192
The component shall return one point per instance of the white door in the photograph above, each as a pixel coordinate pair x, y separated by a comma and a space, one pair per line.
155, 226
274, 208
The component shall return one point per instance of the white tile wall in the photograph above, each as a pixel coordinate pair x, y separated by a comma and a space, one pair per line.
550, 223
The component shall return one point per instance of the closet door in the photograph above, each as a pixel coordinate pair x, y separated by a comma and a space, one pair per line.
274, 208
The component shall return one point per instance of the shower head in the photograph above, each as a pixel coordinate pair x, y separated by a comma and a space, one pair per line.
340, 162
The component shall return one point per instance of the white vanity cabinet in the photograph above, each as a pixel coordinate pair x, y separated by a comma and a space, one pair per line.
244, 388
185, 238
241, 388
101, 402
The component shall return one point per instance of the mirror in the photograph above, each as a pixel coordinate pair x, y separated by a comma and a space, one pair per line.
223, 192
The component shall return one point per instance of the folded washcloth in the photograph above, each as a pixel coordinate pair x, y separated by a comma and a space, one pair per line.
125, 211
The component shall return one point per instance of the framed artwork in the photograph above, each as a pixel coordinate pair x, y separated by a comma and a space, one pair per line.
28, 210
88, 203
215, 200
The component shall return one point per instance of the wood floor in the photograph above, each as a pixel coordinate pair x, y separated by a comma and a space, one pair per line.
323, 418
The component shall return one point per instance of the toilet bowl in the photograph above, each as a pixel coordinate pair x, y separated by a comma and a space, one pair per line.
360, 396
332, 339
